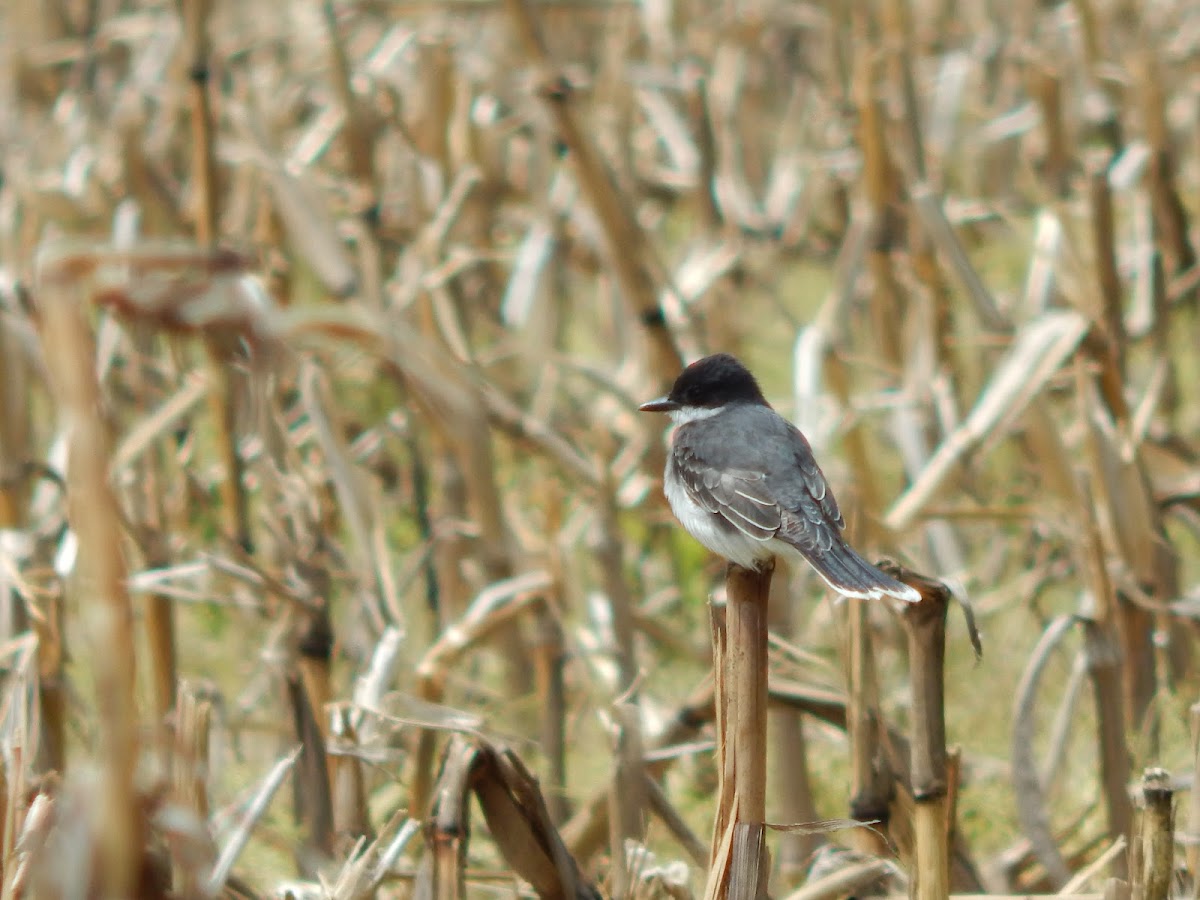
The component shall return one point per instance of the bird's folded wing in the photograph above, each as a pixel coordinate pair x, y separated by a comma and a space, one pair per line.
738, 496
801, 511
806, 527
811, 519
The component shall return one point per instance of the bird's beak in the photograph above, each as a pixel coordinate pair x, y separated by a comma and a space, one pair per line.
662, 404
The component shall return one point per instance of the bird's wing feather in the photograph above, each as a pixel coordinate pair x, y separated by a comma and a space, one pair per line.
811, 520
737, 495
807, 527
816, 487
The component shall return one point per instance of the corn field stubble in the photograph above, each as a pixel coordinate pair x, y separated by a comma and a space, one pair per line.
344, 310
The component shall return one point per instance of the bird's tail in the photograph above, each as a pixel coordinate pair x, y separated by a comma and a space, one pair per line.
852, 576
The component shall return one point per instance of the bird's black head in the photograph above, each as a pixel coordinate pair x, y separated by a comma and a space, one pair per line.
708, 383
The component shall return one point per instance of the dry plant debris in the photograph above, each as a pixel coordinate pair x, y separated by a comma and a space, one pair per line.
325, 511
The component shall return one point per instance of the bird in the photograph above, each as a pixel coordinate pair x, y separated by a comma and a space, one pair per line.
743, 481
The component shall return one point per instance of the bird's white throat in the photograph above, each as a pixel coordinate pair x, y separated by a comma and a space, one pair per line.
686, 414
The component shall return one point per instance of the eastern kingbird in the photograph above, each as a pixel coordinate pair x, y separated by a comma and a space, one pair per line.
743, 481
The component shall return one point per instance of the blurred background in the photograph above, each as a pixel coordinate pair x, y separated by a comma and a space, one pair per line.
342, 311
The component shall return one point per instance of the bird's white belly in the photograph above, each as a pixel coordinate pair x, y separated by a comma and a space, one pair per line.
707, 529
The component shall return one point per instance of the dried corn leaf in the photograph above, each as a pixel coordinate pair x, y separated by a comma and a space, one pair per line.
138, 439
517, 818
1120, 481
933, 218
848, 880
1038, 352
1028, 790
531, 260
304, 213
241, 835
1039, 283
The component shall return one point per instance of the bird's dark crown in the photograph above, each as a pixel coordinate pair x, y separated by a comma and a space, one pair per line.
714, 381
